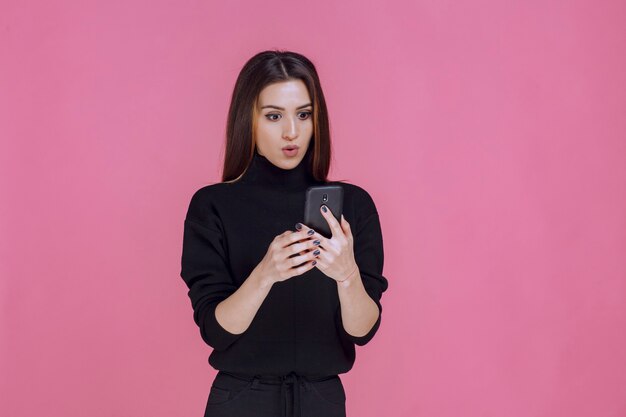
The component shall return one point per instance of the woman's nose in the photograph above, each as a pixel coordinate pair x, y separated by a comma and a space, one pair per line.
291, 130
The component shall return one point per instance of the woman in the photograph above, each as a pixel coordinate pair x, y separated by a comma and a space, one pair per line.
282, 309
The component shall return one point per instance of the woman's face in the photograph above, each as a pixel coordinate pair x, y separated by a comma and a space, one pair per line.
284, 119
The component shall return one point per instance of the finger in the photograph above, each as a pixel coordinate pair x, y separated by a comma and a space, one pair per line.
282, 235
298, 260
302, 247
346, 227
335, 228
294, 254
293, 237
310, 248
302, 250
304, 268
307, 256
321, 263
315, 235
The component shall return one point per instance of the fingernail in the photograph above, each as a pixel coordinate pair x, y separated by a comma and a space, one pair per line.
316, 242
317, 252
310, 232
324, 209
314, 262
298, 226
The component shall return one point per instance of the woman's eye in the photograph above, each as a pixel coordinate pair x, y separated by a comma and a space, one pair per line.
270, 116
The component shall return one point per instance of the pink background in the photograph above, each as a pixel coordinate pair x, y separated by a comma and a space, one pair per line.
491, 135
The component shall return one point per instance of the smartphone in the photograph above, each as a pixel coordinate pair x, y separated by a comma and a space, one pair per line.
316, 197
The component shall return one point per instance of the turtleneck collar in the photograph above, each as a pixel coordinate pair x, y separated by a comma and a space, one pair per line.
263, 172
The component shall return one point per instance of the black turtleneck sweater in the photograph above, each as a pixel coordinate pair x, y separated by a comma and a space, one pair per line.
227, 231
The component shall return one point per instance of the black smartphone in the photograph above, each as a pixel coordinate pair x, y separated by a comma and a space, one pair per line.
316, 197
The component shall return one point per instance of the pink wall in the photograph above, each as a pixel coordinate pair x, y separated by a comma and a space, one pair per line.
491, 135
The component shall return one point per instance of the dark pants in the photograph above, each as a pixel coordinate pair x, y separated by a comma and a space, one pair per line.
234, 395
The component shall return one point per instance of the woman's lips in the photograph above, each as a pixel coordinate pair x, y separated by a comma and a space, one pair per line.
291, 152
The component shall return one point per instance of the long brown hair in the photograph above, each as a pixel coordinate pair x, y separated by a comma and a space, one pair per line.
262, 69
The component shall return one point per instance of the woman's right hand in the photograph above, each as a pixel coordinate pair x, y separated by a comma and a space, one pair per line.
285, 255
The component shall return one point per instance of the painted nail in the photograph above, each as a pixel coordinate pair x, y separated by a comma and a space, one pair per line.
317, 252
324, 209
316, 242
314, 262
310, 232
298, 226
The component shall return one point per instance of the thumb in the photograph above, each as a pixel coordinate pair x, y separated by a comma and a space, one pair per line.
345, 225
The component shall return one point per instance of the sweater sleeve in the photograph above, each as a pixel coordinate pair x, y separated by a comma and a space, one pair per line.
205, 271
369, 256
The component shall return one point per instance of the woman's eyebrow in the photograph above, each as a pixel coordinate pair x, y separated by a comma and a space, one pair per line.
281, 108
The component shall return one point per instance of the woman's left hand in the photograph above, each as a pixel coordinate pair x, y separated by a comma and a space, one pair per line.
336, 257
